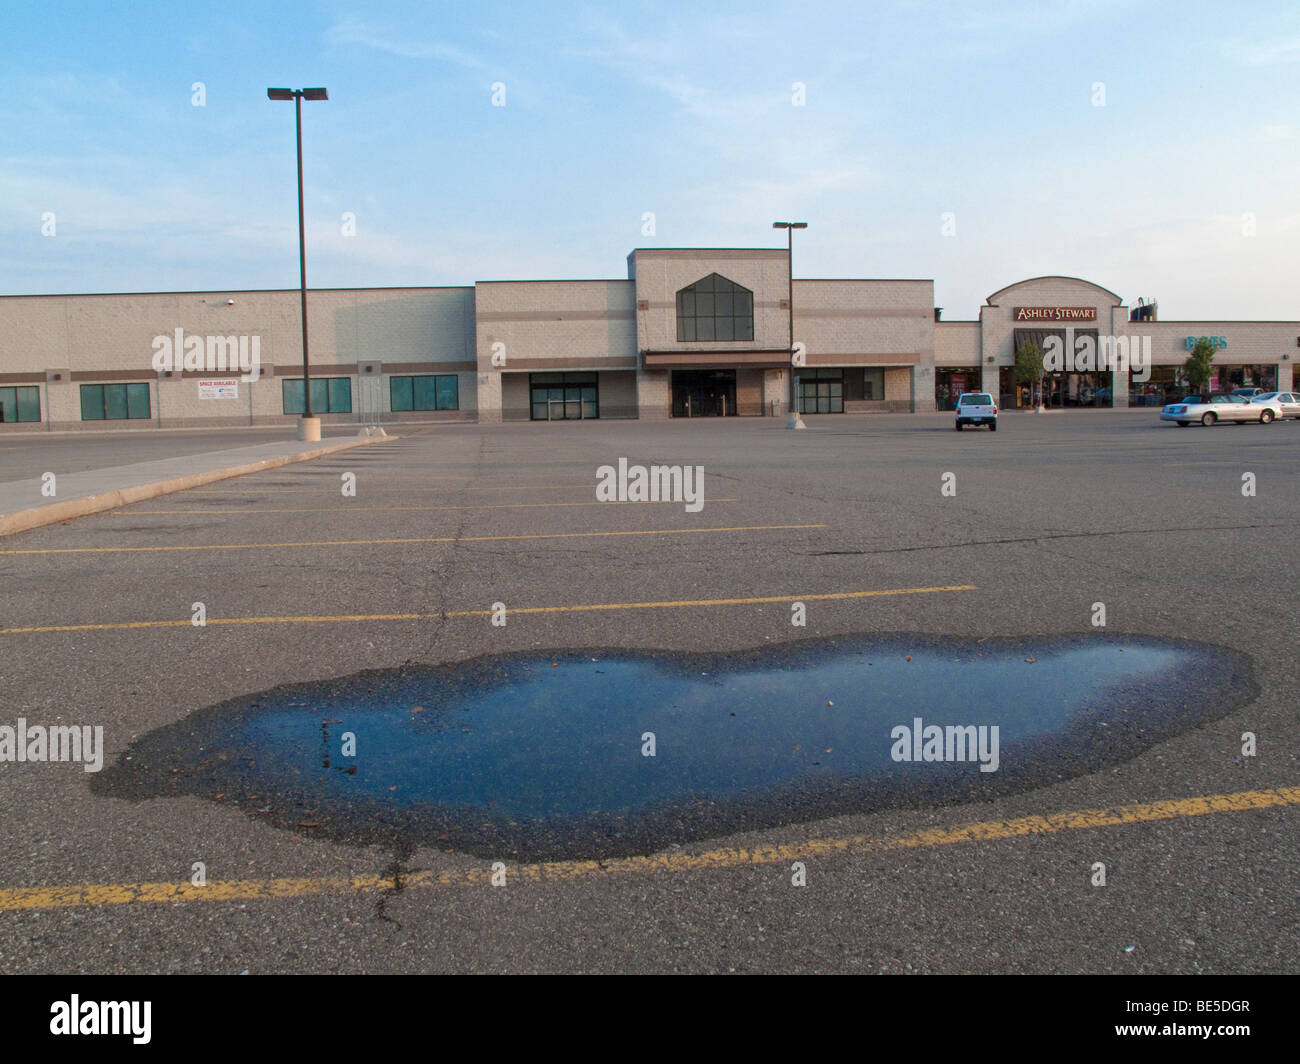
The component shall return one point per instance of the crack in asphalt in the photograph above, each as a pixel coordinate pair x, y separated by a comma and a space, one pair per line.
1036, 539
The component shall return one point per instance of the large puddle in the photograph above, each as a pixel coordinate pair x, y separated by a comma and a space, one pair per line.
542, 757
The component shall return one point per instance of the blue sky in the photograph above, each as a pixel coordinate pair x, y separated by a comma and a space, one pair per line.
685, 110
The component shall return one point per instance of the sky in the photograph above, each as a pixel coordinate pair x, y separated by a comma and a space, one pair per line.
1151, 148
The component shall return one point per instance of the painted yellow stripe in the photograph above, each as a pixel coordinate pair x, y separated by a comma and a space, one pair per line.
334, 486
62, 897
387, 542
357, 508
582, 608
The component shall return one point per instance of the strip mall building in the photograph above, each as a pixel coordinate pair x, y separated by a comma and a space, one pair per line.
689, 333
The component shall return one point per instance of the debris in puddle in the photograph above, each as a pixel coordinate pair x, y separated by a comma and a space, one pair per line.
558, 759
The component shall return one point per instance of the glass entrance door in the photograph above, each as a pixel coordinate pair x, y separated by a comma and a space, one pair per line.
704, 393
563, 396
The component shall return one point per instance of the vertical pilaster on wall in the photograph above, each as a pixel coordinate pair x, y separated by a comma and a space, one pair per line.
487, 398
1285, 376
989, 378
923, 390
1119, 385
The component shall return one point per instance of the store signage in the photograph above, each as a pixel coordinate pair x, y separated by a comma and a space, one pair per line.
1055, 313
222, 389
1218, 341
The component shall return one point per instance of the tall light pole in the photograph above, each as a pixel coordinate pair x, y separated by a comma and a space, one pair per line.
308, 425
792, 420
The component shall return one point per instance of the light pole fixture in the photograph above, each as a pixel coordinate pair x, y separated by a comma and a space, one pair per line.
308, 426
792, 420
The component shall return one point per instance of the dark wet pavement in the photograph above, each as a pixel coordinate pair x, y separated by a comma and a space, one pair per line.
543, 757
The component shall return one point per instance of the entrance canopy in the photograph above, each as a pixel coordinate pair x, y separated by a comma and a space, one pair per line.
747, 358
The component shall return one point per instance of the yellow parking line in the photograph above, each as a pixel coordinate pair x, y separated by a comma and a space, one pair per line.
333, 486
62, 897
386, 542
345, 507
582, 608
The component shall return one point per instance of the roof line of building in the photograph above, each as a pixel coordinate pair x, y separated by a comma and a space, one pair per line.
1053, 277
244, 291
775, 251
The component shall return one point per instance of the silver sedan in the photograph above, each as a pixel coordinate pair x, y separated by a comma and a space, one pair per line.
1209, 409
1288, 401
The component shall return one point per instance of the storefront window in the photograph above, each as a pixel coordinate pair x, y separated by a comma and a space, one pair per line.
950, 382
563, 396
1166, 384
821, 391
1077, 389
1227, 377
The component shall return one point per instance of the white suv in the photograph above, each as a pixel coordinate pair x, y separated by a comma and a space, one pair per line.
977, 408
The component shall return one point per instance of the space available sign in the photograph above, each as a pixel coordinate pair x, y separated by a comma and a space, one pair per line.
219, 389
1055, 313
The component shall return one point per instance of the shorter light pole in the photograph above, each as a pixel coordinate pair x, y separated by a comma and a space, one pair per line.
792, 420
308, 426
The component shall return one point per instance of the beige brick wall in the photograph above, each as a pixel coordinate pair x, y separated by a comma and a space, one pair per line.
998, 325
957, 343
618, 394
653, 398
749, 392
95, 336
865, 322
1248, 343
585, 322
661, 273
515, 399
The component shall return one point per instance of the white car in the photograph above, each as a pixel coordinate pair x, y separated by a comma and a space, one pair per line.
1288, 401
1207, 409
976, 408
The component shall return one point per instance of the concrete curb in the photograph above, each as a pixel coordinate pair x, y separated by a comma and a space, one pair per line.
23, 520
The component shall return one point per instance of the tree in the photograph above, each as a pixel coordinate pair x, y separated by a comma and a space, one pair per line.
1029, 369
1199, 366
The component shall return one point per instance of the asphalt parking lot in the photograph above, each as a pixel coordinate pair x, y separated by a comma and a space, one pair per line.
300, 582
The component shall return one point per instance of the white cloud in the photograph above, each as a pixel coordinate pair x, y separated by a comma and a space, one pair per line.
1263, 52
352, 31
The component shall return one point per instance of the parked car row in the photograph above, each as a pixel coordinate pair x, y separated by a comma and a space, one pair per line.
1261, 406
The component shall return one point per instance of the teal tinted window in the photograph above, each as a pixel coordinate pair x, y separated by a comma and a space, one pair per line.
92, 402
20, 404
448, 393
428, 392
115, 402
329, 395
29, 404
291, 392
137, 400
399, 393
340, 395
425, 396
